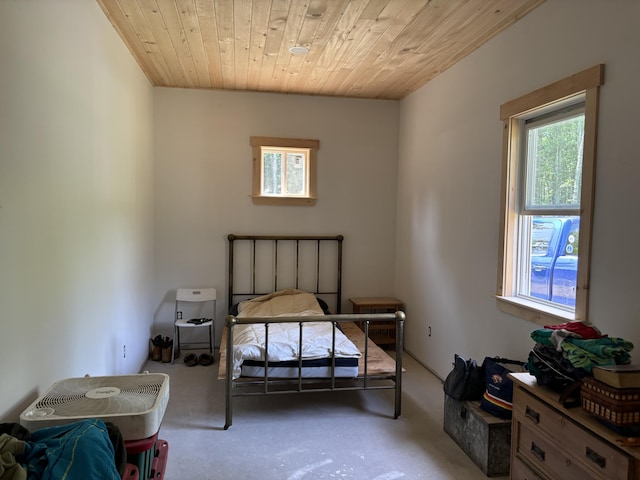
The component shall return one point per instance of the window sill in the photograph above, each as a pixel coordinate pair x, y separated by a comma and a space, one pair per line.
291, 201
533, 311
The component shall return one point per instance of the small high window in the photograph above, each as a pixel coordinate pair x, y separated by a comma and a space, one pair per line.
284, 171
547, 199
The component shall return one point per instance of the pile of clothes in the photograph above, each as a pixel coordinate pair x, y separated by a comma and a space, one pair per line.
564, 354
85, 450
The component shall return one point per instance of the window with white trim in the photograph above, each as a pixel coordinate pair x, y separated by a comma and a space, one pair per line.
284, 171
547, 199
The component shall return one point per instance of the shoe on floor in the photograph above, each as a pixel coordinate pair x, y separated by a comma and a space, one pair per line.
205, 359
167, 349
191, 359
156, 352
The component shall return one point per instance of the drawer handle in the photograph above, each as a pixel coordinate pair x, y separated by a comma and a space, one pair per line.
532, 414
537, 451
596, 458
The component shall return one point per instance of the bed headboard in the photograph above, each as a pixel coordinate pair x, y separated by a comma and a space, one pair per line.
261, 264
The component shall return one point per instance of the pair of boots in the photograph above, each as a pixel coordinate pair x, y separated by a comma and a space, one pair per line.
162, 348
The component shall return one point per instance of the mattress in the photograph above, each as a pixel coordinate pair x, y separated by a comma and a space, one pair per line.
320, 340
379, 362
316, 368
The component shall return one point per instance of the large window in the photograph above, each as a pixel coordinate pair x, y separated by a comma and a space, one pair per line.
284, 171
547, 202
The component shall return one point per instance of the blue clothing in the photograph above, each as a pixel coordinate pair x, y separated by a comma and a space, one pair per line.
76, 451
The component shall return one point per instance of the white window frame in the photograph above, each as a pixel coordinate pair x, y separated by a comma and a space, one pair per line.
284, 153
308, 146
581, 86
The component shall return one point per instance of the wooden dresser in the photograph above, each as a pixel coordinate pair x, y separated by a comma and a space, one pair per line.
551, 442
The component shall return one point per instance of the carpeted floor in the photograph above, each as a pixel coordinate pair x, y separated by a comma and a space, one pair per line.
335, 435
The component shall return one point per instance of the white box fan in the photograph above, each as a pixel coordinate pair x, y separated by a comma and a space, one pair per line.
135, 403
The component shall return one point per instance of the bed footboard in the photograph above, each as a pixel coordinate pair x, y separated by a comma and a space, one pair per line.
376, 368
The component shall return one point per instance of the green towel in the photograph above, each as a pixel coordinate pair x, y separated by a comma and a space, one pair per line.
543, 336
588, 353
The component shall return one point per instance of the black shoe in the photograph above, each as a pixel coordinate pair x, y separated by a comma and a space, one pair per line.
191, 359
205, 359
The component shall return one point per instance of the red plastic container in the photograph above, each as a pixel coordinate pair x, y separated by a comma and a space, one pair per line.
131, 472
149, 455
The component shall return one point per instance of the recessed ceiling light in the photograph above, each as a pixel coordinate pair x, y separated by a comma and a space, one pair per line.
299, 50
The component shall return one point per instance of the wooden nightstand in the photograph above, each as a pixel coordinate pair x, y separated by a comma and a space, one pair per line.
382, 333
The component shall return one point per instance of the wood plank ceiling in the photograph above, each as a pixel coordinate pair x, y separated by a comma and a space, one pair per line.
382, 49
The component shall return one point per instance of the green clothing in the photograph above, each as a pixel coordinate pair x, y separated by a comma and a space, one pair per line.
588, 353
9, 468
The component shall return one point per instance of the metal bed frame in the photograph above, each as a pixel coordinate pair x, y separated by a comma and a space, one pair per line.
249, 386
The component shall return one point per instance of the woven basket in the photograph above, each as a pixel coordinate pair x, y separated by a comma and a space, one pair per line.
618, 406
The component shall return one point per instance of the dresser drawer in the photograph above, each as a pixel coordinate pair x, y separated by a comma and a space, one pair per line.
520, 471
545, 456
594, 454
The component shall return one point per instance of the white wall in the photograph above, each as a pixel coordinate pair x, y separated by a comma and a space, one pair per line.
449, 181
91, 255
203, 180
76, 189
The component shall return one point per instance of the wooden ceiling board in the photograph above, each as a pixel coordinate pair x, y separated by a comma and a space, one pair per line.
357, 48
209, 30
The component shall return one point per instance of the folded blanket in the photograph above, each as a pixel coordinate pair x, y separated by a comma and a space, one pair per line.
603, 351
281, 303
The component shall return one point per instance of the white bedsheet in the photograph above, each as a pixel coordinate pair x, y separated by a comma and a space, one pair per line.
249, 340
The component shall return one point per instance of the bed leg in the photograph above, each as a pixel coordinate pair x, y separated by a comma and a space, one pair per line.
398, 402
400, 318
228, 407
229, 323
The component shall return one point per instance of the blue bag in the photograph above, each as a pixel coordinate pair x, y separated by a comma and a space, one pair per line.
498, 396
